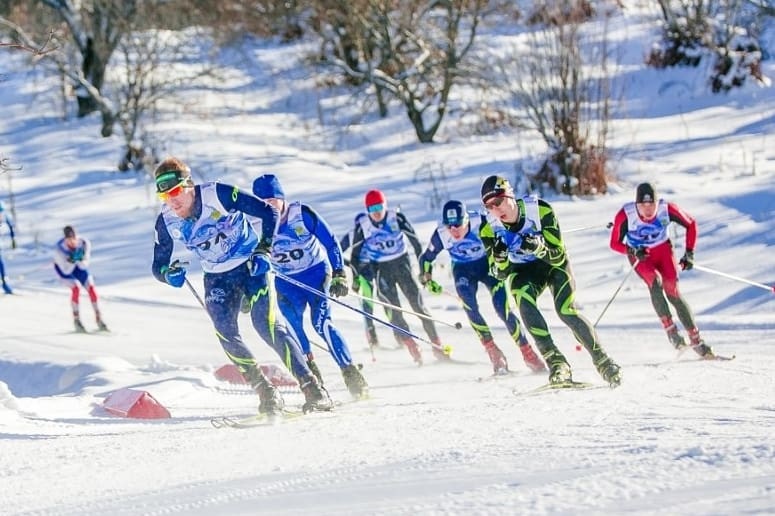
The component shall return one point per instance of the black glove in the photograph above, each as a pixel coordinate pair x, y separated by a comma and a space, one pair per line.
533, 244
639, 253
338, 287
687, 262
500, 251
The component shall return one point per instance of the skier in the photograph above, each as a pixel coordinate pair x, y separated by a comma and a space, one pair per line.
458, 233
305, 249
230, 231
524, 243
71, 261
4, 216
640, 231
381, 232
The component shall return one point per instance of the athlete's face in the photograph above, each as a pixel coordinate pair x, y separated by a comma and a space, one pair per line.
503, 207
377, 212
277, 204
646, 210
458, 232
182, 204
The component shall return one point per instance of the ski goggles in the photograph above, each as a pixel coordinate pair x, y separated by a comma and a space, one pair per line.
495, 203
375, 208
171, 184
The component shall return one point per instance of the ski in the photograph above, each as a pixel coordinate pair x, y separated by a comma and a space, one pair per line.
554, 387
496, 376
255, 420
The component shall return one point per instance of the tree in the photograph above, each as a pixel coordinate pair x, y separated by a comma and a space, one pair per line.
412, 50
563, 92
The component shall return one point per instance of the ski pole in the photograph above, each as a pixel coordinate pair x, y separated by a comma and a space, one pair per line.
456, 325
585, 228
735, 278
444, 349
616, 292
196, 294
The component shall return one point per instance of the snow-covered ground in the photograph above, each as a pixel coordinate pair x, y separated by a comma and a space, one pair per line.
679, 436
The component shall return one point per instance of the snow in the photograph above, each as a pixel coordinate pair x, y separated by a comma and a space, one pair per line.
679, 436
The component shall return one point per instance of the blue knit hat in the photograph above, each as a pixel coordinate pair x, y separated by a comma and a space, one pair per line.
268, 187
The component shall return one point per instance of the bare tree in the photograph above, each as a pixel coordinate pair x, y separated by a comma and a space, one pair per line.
411, 50
564, 93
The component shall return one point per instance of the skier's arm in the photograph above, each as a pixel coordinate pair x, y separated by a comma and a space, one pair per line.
355, 254
618, 233
408, 230
163, 246
260, 214
318, 227
682, 218
430, 253
86, 257
550, 230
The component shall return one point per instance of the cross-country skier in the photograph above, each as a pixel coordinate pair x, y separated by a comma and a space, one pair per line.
525, 246
640, 231
381, 231
458, 234
231, 232
71, 261
8, 222
305, 249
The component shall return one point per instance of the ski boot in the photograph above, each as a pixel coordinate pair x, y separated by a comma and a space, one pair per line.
610, 371
313, 367
355, 382
7, 288
699, 346
499, 364
101, 326
675, 338
531, 358
559, 372
270, 400
314, 397
79, 327
413, 348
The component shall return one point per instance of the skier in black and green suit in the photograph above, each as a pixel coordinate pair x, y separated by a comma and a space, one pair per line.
524, 244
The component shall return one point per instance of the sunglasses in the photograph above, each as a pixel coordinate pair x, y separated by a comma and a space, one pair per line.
375, 208
172, 192
456, 225
495, 203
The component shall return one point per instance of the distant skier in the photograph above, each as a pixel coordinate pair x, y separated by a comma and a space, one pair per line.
305, 249
523, 240
72, 254
8, 222
640, 231
458, 234
381, 231
231, 232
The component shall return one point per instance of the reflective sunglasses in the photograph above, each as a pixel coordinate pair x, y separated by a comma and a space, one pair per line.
375, 208
458, 224
170, 184
495, 203
172, 192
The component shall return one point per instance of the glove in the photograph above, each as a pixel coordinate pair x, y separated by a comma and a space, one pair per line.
433, 287
533, 244
687, 262
175, 275
338, 287
13, 243
639, 253
424, 278
500, 251
259, 262
498, 272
